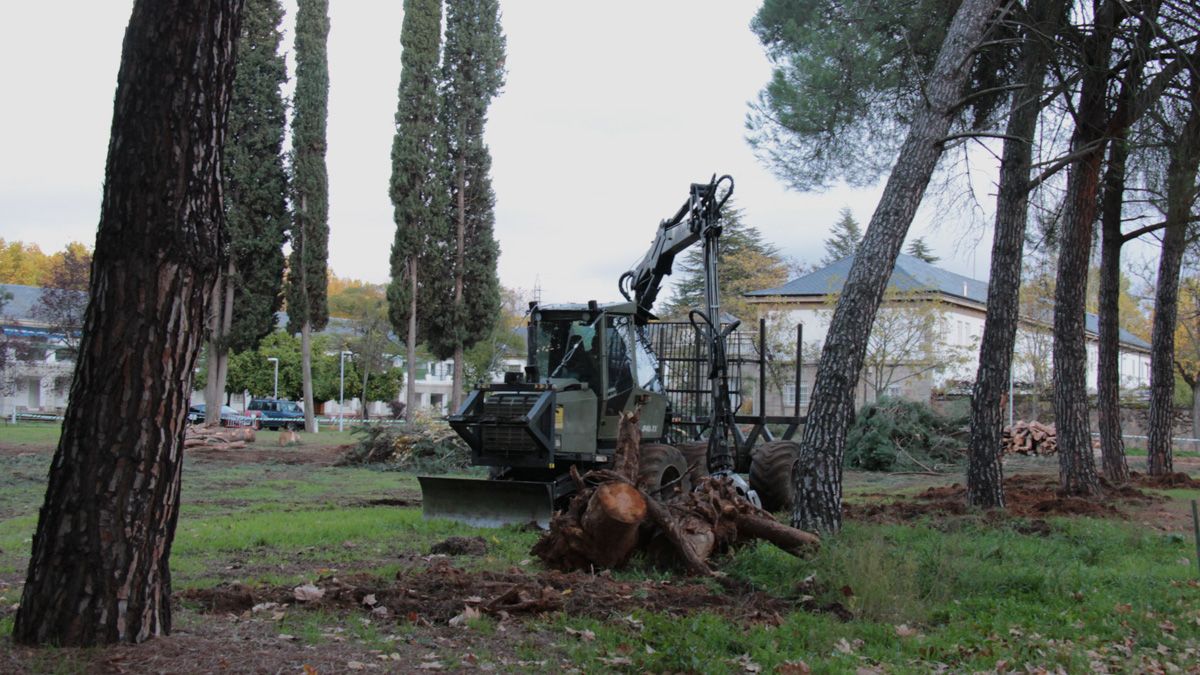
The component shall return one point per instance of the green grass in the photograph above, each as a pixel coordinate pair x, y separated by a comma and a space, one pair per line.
975, 595
37, 434
972, 592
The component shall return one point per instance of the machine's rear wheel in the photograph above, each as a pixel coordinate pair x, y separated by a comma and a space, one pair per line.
771, 473
695, 455
662, 471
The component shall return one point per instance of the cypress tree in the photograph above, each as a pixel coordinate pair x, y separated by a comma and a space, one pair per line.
417, 193
467, 285
255, 199
255, 180
306, 294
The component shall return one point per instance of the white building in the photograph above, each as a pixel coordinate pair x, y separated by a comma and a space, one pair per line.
954, 306
37, 371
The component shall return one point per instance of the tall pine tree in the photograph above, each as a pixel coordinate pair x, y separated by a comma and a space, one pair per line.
417, 193
255, 198
306, 293
467, 288
747, 262
847, 234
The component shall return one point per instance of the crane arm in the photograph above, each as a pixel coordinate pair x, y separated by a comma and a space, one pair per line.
698, 218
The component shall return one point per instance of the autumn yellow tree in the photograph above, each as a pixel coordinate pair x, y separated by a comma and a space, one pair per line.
1187, 343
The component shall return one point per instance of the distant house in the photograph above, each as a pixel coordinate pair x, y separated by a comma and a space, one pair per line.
955, 305
38, 366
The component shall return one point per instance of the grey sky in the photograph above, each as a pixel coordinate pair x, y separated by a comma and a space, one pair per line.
610, 111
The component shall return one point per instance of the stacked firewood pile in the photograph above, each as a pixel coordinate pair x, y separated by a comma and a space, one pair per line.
218, 438
1029, 438
611, 516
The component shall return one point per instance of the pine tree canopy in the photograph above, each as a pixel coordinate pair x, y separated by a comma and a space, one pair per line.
918, 249
847, 234
255, 180
847, 76
745, 262
310, 181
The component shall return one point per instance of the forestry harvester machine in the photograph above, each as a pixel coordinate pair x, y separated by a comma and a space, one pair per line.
589, 363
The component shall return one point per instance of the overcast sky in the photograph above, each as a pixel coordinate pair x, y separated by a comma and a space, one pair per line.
609, 112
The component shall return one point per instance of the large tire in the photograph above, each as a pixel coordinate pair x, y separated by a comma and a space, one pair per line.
662, 466
695, 455
771, 473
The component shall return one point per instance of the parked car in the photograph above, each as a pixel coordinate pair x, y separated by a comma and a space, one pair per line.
275, 414
229, 416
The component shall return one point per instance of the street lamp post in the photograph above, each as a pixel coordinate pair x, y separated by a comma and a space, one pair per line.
342, 389
274, 360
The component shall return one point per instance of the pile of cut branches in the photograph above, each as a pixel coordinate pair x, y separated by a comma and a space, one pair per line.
428, 446
610, 518
218, 438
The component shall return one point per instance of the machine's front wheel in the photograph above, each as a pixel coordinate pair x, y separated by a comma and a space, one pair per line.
771, 473
663, 473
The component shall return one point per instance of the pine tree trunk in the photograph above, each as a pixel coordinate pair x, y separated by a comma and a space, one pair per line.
410, 406
1077, 465
985, 474
817, 477
1181, 194
1108, 370
98, 570
310, 418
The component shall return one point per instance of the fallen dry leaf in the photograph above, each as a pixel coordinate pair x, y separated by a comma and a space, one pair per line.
308, 593
369, 600
585, 634
468, 613
903, 630
793, 668
356, 665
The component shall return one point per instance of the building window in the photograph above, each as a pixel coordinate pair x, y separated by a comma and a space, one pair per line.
789, 394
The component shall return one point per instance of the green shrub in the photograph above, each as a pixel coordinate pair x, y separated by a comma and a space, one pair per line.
897, 435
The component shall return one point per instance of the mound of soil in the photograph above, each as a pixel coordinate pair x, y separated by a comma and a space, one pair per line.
1170, 480
441, 592
460, 546
1025, 496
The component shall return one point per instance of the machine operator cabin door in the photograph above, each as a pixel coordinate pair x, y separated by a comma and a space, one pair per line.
619, 350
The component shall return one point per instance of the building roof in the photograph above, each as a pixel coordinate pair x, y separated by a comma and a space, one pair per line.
913, 274
21, 303
910, 274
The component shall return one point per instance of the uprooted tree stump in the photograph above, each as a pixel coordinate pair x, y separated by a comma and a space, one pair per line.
610, 517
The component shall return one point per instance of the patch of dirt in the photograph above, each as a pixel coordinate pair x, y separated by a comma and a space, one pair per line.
1025, 496
461, 546
440, 592
1168, 481
296, 454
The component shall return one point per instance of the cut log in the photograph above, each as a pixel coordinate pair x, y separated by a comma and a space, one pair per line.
611, 520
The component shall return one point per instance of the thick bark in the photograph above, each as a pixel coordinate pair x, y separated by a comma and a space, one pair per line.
985, 475
1181, 194
310, 418
817, 476
1077, 466
1108, 369
98, 571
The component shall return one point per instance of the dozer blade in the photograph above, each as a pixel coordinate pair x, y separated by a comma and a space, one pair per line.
487, 503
